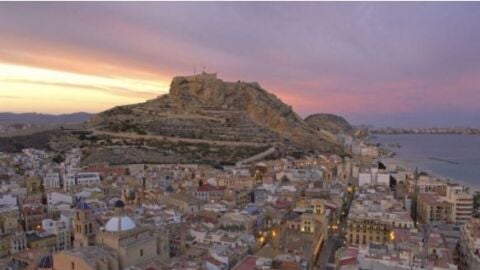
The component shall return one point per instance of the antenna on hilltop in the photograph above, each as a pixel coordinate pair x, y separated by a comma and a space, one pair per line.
203, 69
195, 69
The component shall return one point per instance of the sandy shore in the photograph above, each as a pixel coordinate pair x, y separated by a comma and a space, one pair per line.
410, 167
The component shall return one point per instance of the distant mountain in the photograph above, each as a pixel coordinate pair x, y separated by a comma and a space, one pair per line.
39, 119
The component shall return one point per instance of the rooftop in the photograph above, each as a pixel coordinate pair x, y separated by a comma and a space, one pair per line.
120, 224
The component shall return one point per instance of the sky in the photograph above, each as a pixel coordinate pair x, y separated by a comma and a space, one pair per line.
386, 64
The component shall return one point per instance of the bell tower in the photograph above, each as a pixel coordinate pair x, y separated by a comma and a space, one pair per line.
83, 223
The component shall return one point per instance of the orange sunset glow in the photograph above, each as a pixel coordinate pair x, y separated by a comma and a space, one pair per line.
53, 91
345, 59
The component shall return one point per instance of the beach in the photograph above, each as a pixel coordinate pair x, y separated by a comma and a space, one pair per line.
455, 158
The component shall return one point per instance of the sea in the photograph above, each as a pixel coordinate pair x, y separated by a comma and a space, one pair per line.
454, 157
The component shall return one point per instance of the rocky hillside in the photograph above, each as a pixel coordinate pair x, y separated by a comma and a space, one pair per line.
205, 109
329, 122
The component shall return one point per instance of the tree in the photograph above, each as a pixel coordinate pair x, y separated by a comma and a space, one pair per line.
285, 180
58, 158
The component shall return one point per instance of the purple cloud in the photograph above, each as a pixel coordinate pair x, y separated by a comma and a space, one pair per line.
371, 62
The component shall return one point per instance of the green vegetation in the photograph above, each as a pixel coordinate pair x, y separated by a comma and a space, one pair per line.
476, 204
118, 110
58, 158
39, 140
127, 126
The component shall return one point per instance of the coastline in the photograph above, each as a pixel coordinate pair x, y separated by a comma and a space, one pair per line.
410, 167
446, 157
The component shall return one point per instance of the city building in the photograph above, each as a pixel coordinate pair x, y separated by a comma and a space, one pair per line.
119, 244
462, 203
469, 246
84, 226
51, 180
432, 209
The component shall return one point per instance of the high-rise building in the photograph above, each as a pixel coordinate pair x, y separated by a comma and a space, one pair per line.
462, 202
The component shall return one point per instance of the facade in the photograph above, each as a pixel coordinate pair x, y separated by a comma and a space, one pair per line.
9, 221
182, 202
51, 180
364, 231
407, 250
245, 222
119, 244
18, 242
42, 240
4, 245
383, 179
8, 200
365, 179
462, 202
62, 231
432, 208
83, 226
427, 184
33, 185
54, 197
373, 215
33, 214
86, 258
470, 245
209, 193
82, 179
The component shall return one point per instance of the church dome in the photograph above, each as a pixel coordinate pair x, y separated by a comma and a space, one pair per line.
120, 224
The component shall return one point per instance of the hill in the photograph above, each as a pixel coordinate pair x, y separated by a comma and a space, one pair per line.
207, 110
201, 120
329, 122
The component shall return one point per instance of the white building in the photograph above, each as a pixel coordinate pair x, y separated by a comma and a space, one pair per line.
462, 202
364, 179
51, 180
8, 200
57, 200
82, 179
383, 179
18, 242
61, 229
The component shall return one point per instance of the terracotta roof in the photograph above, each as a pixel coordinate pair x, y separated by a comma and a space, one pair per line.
249, 263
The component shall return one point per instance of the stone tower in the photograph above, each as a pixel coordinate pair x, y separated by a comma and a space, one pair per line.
84, 227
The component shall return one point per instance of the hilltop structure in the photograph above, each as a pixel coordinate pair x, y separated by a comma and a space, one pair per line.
203, 109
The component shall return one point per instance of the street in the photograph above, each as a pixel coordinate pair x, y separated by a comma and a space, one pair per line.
326, 259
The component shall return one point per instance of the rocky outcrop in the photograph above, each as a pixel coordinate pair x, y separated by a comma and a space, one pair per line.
203, 107
329, 122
